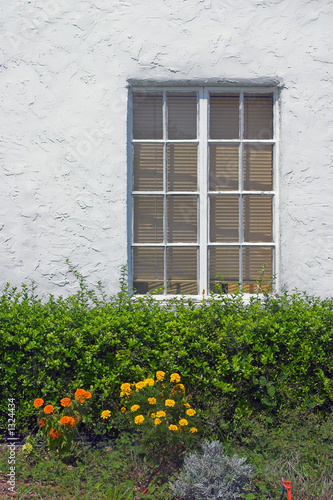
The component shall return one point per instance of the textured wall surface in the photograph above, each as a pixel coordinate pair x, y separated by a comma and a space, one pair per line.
63, 114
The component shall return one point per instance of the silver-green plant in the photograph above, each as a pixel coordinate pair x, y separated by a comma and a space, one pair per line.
211, 475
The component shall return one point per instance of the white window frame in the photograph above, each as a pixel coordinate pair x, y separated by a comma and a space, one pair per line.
202, 192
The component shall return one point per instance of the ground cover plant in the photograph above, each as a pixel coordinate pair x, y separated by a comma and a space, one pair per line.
247, 367
300, 448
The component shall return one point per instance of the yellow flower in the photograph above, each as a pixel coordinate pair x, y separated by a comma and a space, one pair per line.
160, 375
139, 386
139, 419
193, 430
178, 388
183, 422
175, 378
152, 401
190, 412
27, 447
126, 390
125, 387
173, 427
157, 421
153, 415
160, 414
106, 414
169, 402
123, 409
149, 381
127, 394
135, 407
187, 405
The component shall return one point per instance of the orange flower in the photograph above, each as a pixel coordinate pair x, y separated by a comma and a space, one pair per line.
48, 409
54, 433
42, 422
38, 402
67, 421
81, 394
123, 409
66, 402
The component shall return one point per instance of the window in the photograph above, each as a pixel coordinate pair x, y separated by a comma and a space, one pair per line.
202, 189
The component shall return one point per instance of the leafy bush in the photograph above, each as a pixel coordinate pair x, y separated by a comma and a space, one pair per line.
59, 430
160, 412
237, 360
212, 475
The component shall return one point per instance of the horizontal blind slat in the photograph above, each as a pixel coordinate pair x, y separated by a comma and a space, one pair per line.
224, 116
147, 116
182, 116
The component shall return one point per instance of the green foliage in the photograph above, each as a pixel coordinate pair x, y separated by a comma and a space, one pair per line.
237, 359
59, 426
158, 410
300, 449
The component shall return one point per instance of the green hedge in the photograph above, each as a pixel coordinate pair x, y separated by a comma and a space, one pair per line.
238, 360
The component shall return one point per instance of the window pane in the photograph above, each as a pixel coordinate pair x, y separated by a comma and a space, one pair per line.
258, 218
224, 116
258, 167
147, 116
182, 219
148, 167
256, 260
258, 117
182, 116
148, 265
223, 167
182, 167
223, 269
224, 218
182, 270
148, 219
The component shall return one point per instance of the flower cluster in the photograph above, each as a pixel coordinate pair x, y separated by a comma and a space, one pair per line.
158, 403
58, 429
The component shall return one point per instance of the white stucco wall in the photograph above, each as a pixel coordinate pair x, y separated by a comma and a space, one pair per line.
63, 113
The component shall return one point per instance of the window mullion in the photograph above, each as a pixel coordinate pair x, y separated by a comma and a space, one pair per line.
165, 185
130, 215
203, 190
240, 184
